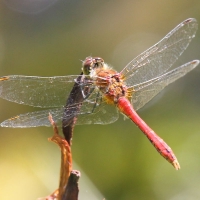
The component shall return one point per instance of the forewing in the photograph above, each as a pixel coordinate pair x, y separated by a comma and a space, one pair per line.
37, 91
144, 92
160, 57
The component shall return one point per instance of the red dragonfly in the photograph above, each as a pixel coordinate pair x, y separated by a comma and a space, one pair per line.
103, 89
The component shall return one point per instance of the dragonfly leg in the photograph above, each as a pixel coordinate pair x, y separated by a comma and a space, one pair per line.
97, 101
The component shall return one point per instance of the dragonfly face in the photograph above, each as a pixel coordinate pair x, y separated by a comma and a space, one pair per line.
91, 63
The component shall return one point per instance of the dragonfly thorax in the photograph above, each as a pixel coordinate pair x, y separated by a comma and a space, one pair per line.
111, 84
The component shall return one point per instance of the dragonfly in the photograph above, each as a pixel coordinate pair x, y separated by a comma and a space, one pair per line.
100, 93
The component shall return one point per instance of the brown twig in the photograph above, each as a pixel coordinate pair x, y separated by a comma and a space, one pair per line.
66, 157
68, 185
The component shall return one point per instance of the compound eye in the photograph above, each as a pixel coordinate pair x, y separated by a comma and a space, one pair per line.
87, 65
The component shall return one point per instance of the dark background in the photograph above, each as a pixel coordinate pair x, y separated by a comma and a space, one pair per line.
49, 38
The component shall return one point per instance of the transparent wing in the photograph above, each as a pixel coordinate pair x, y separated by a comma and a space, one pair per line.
34, 119
104, 114
37, 91
160, 57
144, 92
93, 111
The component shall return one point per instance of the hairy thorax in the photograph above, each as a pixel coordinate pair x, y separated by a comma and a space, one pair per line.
111, 84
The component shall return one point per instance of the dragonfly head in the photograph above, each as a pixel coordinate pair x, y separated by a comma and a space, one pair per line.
91, 63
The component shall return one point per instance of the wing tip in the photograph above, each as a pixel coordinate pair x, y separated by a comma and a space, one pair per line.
3, 125
4, 78
195, 62
189, 20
